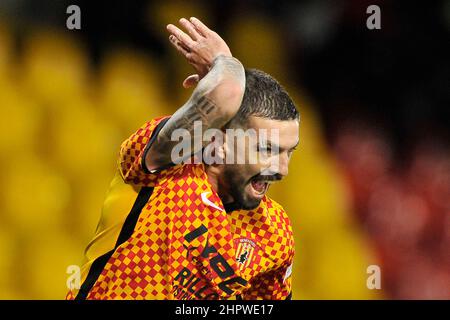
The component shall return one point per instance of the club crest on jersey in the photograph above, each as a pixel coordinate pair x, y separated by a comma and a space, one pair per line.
245, 249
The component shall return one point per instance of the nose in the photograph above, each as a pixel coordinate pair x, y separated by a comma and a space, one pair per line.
283, 161
278, 165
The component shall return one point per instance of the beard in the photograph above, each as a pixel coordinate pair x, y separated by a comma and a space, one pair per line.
236, 184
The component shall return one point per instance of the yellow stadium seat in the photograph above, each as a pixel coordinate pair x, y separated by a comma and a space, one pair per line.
8, 256
20, 121
49, 255
81, 140
131, 89
55, 67
35, 196
341, 258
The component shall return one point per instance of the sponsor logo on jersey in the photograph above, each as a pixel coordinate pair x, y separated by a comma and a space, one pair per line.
191, 285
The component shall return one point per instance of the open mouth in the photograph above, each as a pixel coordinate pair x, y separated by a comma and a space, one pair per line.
259, 186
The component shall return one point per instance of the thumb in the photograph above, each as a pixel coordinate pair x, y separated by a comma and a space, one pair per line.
191, 81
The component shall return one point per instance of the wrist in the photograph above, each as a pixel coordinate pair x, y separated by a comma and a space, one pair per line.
222, 57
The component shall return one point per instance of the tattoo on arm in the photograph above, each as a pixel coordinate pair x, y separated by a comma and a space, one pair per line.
196, 110
201, 107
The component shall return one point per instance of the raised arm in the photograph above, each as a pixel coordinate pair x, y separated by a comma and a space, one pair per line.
217, 97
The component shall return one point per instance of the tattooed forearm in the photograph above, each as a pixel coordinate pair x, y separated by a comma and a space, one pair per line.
233, 67
214, 102
197, 109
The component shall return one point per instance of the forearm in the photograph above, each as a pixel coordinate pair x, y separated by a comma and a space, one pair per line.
214, 102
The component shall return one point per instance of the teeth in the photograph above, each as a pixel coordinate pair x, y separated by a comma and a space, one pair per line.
260, 187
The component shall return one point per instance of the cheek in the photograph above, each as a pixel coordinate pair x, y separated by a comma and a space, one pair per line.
244, 172
264, 159
253, 169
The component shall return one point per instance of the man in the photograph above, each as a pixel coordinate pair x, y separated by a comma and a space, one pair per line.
176, 228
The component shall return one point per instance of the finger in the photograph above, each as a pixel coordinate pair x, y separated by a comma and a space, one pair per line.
174, 41
190, 28
181, 36
191, 81
200, 26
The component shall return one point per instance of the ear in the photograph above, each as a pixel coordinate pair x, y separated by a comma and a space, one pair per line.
229, 146
220, 145
213, 152
221, 151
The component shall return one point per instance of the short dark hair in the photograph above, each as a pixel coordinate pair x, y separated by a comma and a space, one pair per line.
264, 97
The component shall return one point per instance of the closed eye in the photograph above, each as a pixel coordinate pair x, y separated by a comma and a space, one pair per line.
266, 149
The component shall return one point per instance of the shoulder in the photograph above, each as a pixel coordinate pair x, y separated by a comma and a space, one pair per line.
185, 175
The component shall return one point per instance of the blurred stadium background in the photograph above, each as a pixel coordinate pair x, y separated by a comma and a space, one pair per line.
370, 183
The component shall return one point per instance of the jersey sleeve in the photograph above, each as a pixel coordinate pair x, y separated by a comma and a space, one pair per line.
131, 160
272, 285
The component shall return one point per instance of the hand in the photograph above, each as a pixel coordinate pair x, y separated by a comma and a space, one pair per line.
200, 46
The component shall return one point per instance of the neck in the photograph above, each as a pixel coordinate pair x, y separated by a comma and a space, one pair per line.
214, 173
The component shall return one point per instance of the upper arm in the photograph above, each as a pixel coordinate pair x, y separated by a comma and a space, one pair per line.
133, 152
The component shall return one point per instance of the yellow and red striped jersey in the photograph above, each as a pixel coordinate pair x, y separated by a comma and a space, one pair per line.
166, 234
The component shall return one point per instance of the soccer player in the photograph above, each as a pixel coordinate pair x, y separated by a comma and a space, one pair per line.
175, 228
